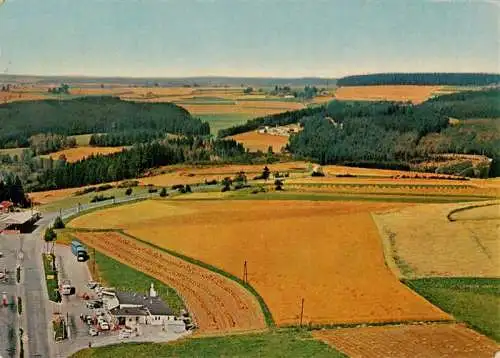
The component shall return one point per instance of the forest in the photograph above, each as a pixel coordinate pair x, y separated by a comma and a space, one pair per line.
438, 78
394, 135
11, 189
21, 120
134, 162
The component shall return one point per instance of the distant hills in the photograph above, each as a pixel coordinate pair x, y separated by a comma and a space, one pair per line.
203, 81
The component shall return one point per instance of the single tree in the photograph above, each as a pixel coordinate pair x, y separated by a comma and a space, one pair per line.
49, 236
163, 192
58, 223
128, 192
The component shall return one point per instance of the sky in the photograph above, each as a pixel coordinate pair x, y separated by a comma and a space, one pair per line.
276, 38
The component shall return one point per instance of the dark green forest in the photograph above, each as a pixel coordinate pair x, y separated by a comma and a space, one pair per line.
125, 138
134, 162
450, 79
11, 189
21, 120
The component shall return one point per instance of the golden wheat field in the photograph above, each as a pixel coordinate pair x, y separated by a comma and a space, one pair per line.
327, 253
255, 141
79, 153
404, 93
462, 248
436, 340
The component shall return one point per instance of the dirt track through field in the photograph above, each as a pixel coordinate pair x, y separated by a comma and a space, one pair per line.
424, 341
218, 304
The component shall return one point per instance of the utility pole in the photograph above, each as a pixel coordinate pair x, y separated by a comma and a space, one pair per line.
301, 311
245, 272
93, 262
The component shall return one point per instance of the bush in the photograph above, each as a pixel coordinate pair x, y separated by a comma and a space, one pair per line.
58, 223
177, 186
128, 184
317, 174
225, 188
211, 182
104, 187
152, 190
101, 197
163, 192
188, 189
85, 191
279, 185
128, 192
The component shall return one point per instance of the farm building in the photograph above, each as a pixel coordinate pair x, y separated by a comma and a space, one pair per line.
18, 222
131, 308
6, 206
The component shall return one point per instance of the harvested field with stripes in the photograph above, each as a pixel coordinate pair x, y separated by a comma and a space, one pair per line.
327, 253
461, 248
436, 340
79, 153
217, 304
255, 141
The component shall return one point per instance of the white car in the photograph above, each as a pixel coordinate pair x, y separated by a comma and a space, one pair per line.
93, 332
104, 325
123, 334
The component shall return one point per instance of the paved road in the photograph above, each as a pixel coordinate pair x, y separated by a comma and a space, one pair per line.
37, 308
8, 315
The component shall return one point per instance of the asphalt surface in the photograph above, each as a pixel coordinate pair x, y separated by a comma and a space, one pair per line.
37, 309
8, 315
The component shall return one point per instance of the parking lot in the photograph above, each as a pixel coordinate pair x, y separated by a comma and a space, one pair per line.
85, 321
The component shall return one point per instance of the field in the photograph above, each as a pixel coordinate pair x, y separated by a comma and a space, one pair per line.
414, 94
462, 248
282, 344
216, 303
78, 153
223, 120
437, 340
472, 300
306, 251
255, 141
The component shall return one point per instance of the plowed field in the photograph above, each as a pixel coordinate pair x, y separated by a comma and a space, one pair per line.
427, 341
217, 303
328, 253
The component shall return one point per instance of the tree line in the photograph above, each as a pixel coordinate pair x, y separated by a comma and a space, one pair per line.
21, 120
436, 78
11, 189
136, 161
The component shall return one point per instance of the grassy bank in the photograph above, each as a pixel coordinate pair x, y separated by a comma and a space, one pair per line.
475, 301
51, 278
284, 343
123, 277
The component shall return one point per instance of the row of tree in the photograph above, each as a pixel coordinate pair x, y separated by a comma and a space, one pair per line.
437, 78
11, 189
49, 143
136, 161
125, 138
21, 120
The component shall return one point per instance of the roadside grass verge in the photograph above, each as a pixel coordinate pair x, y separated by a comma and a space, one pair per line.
122, 277
282, 343
51, 278
475, 301
397, 198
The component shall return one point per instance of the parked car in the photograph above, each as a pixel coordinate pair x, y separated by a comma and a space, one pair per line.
92, 284
103, 325
93, 332
123, 334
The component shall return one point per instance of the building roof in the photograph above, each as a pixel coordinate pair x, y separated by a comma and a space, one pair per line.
5, 204
155, 305
19, 218
129, 311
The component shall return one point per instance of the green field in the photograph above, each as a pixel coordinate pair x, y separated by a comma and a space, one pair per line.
475, 301
221, 121
82, 140
284, 343
12, 151
73, 200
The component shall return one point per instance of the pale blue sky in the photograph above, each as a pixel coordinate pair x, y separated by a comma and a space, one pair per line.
247, 38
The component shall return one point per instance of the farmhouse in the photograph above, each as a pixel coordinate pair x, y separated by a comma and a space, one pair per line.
132, 308
18, 222
6, 206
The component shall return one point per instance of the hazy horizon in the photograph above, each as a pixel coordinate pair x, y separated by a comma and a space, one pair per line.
220, 38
